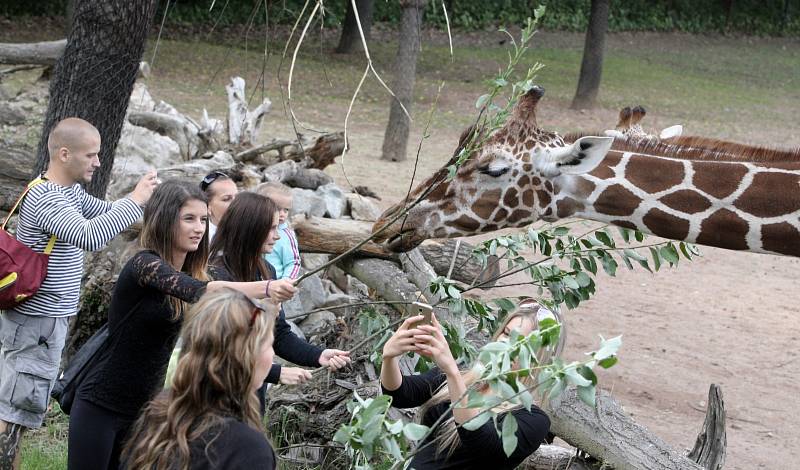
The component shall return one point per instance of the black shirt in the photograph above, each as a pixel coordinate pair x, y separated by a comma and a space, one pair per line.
287, 345
479, 449
233, 446
140, 350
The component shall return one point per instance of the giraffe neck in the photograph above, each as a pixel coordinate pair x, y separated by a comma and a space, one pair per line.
735, 205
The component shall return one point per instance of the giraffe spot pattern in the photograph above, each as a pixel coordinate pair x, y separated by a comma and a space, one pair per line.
583, 188
666, 225
527, 198
686, 201
653, 174
511, 200
625, 223
544, 198
466, 223
724, 229
759, 198
781, 238
536, 181
518, 215
617, 200
605, 170
567, 206
500, 214
486, 204
707, 178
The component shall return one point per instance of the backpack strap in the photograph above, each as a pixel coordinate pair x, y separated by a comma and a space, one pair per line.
39, 180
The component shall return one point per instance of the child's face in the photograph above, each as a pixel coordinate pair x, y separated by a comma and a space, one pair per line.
284, 203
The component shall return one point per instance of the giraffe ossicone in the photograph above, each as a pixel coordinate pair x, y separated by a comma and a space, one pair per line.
736, 199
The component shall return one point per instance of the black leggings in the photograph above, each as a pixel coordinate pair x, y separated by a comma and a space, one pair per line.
96, 437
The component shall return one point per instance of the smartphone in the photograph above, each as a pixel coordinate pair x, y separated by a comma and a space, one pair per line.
419, 308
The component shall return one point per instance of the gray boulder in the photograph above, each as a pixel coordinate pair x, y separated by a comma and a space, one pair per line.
318, 323
310, 295
335, 201
308, 202
362, 208
139, 150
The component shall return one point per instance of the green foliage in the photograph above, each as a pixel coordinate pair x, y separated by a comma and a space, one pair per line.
703, 16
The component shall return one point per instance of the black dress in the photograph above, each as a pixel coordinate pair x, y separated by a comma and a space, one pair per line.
231, 446
479, 449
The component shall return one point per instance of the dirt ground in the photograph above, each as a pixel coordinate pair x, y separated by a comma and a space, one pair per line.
727, 318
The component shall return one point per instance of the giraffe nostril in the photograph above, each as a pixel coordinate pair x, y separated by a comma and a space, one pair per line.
537, 91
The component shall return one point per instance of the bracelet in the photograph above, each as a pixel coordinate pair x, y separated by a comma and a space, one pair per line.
267, 290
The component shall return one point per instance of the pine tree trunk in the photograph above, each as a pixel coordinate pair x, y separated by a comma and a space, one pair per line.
350, 40
592, 64
94, 77
395, 139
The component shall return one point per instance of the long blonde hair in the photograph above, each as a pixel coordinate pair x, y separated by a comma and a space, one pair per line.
214, 379
446, 435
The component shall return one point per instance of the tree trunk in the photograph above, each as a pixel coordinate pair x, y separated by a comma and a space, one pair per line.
395, 139
350, 40
465, 268
94, 77
711, 444
335, 236
592, 64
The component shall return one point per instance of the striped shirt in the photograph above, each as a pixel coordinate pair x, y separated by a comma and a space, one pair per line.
80, 222
285, 256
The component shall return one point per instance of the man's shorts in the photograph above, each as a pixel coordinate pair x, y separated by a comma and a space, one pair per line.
30, 355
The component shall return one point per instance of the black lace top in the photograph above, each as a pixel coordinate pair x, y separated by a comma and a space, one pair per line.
139, 353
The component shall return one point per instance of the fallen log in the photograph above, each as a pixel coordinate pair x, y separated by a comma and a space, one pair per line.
177, 128
464, 268
550, 457
37, 53
309, 153
609, 434
243, 125
335, 236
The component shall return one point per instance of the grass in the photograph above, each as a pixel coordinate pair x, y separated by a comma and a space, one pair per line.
46, 448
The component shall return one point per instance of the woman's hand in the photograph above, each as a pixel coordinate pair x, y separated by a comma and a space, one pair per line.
281, 290
334, 359
294, 376
402, 341
431, 343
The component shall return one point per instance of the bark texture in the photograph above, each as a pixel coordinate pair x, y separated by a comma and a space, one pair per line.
395, 140
38, 53
710, 446
592, 63
350, 40
94, 77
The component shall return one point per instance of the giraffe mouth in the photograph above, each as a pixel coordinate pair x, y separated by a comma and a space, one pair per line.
403, 241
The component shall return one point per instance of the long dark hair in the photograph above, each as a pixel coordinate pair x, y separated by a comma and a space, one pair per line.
214, 379
240, 235
158, 230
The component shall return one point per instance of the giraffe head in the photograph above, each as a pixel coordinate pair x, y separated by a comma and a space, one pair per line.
508, 180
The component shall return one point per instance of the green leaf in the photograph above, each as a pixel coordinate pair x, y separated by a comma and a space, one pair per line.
608, 348
605, 238
509, 432
395, 427
393, 448
482, 100
587, 395
669, 254
558, 387
656, 258
609, 265
626, 233
588, 374
570, 282
415, 431
576, 379
608, 362
477, 421
583, 279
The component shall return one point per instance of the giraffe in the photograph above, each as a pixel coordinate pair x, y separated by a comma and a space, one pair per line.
522, 173
629, 126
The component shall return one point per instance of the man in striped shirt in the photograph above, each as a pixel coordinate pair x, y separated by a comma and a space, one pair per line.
32, 334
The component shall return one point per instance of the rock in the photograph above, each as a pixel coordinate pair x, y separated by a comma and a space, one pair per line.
356, 287
138, 151
144, 70
308, 178
334, 303
310, 295
312, 261
166, 108
362, 208
280, 171
335, 202
338, 277
296, 329
331, 287
141, 100
195, 170
250, 177
11, 113
318, 323
307, 202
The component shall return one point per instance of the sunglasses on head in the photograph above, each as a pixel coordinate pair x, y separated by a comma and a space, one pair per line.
210, 178
258, 308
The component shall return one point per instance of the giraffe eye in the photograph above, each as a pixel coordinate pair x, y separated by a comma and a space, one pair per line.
494, 172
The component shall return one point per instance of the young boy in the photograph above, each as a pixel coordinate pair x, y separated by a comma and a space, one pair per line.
285, 257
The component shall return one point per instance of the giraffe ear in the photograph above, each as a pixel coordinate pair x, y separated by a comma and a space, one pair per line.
580, 157
672, 131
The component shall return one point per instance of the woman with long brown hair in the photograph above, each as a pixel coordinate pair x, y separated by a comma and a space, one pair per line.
249, 229
209, 417
144, 318
453, 446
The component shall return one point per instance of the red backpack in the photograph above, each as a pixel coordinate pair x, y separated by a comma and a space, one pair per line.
22, 270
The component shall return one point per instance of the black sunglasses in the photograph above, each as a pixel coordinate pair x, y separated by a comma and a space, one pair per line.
210, 178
